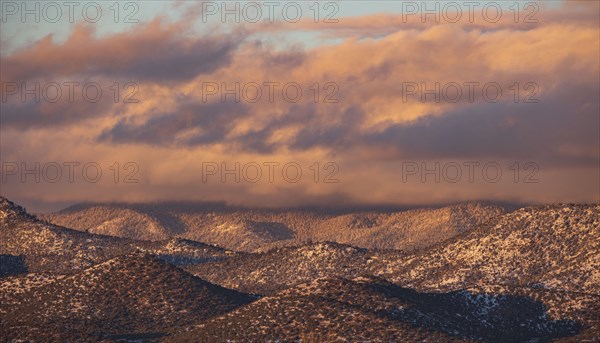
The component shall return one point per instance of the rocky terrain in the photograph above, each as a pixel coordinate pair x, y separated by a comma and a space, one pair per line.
488, 274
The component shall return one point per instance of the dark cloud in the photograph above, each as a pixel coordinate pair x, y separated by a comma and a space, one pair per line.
341, 133
332, 127
154, 52
31, 114
206, 123
562, 128
287, 59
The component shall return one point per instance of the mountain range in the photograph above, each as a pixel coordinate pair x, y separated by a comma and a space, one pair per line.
461, 273
255, 230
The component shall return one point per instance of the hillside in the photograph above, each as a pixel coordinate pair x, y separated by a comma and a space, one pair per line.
405, 230
554, 247
254, 230
370, 309
324, 309
126, 296
530, 275
278, 269
44, 247
28, 244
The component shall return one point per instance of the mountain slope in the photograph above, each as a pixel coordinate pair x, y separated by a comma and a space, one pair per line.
555, 247
405, 230
28, 244
45, 247
531, 275
133, 294
253, 230
278, 269
370, 309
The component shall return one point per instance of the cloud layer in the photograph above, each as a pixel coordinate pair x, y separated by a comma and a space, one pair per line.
352, 101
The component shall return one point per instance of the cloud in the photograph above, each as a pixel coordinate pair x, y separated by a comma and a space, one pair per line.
192, 123
372, 115
156, 51
527, 131
404, 16
369, 131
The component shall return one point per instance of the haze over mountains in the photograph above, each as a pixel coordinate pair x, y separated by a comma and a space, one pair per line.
468, 272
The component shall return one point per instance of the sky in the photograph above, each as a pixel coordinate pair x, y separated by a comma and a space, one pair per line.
299, 103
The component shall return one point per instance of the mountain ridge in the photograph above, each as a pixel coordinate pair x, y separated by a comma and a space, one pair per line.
255, 230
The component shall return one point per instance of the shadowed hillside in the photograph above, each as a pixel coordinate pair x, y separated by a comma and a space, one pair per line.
367, 309
129, 295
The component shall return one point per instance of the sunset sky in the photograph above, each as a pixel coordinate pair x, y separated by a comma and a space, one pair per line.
367, 127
